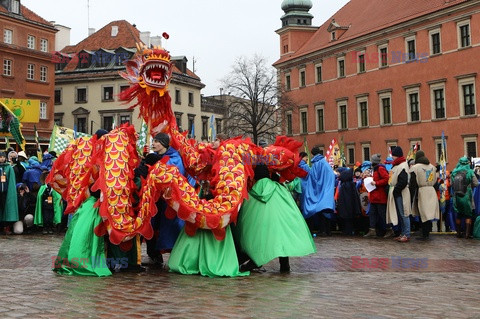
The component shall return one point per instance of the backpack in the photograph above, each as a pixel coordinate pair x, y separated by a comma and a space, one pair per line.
460, 183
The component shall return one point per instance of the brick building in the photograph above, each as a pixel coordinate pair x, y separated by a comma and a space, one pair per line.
27, 70
378, 74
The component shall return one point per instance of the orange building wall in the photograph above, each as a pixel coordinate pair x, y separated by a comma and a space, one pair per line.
447, 65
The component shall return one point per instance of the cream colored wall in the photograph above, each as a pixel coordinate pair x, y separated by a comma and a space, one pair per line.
94, 103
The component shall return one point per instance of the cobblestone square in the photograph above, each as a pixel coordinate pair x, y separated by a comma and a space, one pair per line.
384, 279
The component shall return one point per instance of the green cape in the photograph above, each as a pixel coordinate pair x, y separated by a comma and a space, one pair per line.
9, 209
57, 207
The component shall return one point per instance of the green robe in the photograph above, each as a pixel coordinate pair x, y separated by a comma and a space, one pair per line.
270, 225
203, 254
82, 252
8, 199
57, 207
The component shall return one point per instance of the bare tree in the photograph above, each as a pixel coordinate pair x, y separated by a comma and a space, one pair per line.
252, 104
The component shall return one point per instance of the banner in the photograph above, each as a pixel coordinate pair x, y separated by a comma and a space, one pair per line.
61, 137
305, 144
211, 129
27, 111
333, 154
37, 145
9, 124
142, 137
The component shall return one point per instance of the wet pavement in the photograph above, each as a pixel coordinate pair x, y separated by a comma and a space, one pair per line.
347, 278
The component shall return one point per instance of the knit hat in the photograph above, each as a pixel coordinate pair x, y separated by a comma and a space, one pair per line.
2, 153
397, 151
101, 132
22, 154
163, 138
419, 154
376, 159
315, 150
366, 165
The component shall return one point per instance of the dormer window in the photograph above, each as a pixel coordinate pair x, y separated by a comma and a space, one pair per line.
336, 30
15, 6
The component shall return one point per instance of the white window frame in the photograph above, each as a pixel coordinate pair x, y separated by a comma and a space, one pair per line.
430, 34
380, 107
43, 110
111, 98
300, 84
317, 124
364, 146
359, 53
7, 67
287, 114
461, 83
339, 115
350, 161
408, 39
380, 47
407, 98
44, 45
76, 94
43, 73
30, 71
288, 84
433, 87
359, 111
459, 34
412, 144
468, 139
31, 41
318, 65
7, 36
342, 58
303, 130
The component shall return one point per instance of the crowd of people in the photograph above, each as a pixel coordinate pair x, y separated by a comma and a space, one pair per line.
27, 204
391, 198
382, 199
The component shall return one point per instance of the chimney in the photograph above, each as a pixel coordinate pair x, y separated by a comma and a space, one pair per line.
62, 37
114, 30
91, 31
156, 40
145, 38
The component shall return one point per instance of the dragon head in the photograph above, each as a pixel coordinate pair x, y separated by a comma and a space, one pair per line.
149, 72
155, 69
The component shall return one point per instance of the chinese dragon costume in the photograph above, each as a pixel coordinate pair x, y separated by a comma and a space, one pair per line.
107, 164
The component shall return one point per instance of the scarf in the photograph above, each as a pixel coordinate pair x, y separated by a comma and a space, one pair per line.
399, 160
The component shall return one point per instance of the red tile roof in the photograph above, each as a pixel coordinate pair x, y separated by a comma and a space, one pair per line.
127, 37
367, 16
29, 15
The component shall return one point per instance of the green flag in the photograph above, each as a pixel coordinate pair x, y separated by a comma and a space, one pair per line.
9, 124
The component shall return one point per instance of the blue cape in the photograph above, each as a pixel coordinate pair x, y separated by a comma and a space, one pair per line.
318, 187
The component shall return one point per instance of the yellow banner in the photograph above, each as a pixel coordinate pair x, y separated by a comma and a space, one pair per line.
27, 111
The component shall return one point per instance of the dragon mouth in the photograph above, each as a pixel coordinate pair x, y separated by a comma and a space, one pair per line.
156, 74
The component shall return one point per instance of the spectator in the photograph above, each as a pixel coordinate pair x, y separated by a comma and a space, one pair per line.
425, 200
398, 205
26, 210
8, 195
463, 180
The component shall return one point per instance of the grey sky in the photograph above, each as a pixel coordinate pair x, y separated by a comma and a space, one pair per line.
215, 32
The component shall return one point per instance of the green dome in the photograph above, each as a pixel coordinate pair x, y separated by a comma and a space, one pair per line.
296, 4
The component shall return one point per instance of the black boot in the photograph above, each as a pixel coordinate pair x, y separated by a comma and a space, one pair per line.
468, 229
458, 225
284, 264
